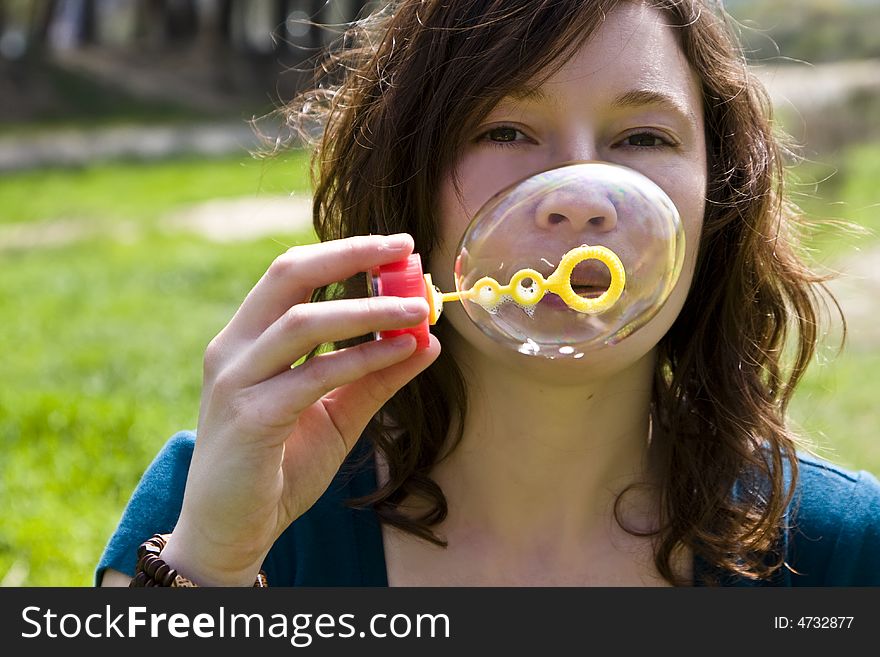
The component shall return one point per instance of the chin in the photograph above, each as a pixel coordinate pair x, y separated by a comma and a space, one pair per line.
475, 349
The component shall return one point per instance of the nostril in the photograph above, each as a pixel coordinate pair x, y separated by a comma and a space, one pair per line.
576, 210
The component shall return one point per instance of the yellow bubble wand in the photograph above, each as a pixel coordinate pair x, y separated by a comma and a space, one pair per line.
489, 293
405, 278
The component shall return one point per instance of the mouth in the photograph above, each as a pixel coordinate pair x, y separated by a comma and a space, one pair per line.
589, 291
590, 279
587, 285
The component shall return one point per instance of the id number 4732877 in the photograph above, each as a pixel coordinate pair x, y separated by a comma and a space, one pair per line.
813, 622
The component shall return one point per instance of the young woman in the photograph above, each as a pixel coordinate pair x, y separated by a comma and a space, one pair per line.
664, 460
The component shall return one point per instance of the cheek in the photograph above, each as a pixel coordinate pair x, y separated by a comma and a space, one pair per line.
452, 220
692, 210
456, 206
687, 190
453, 214
481, 174
690, 200
692, 215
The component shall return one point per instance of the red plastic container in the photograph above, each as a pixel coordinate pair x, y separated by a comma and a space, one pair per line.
403, 278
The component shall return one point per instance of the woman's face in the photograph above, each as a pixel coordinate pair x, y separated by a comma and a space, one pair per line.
627, 97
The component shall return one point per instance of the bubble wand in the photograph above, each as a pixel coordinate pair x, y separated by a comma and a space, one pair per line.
526, 287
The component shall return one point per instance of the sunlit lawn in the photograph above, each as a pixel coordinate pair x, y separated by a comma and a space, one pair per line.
836, 407
838, 193
143, 191
102, 345
836, 404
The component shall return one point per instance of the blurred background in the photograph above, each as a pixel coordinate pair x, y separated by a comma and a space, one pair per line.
134, 219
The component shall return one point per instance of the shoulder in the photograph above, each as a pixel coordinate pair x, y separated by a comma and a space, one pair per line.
834, 525
153, 507
164, 480
830, 497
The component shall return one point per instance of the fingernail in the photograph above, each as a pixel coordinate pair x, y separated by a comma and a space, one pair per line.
397, 242
414, 306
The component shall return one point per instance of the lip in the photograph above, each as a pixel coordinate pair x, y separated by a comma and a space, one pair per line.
553, 301
590, 291
591, 274
589, 279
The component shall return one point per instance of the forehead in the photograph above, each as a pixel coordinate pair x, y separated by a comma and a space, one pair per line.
633, 57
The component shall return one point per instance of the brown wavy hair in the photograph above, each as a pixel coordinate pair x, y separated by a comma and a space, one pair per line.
387, 118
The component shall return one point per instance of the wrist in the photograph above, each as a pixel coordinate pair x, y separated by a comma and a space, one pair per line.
165, 560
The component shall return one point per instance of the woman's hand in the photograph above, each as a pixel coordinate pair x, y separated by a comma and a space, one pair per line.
271, 438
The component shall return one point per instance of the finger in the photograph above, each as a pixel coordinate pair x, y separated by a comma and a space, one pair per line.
307, 325
279, 402
347, 409
293, 275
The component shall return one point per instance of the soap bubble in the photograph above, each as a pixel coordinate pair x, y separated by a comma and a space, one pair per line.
508, 255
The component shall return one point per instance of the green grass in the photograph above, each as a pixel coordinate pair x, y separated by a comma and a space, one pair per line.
836, 407
143, 191
838, 193
102, 347
103, 342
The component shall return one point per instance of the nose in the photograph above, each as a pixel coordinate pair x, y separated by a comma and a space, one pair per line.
579, 210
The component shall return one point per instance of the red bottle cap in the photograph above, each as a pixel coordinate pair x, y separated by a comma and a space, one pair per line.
403, 278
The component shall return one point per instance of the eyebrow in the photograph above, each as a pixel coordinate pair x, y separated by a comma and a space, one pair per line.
643, 97
532, 95
633, 98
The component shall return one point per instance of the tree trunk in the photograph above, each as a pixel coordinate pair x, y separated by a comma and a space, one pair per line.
39, 23
87, 26
181, 20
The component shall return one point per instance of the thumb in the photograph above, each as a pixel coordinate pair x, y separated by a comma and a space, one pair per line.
350, 407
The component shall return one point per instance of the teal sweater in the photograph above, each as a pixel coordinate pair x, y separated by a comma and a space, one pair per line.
833, 537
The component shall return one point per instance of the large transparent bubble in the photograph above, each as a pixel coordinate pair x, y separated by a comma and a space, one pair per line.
569, 260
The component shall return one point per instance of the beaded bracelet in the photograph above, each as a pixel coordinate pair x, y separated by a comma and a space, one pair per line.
152, 570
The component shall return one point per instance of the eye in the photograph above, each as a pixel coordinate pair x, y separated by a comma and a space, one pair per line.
503, 134
645, 139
